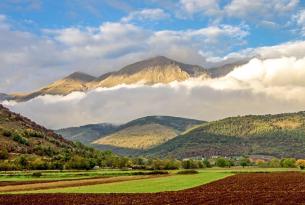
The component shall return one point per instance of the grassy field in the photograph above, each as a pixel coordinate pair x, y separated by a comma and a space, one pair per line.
60, 175
163, 183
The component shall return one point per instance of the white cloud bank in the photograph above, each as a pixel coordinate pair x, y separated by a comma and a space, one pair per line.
258, 87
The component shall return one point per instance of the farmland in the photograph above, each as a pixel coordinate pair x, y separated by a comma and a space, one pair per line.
243, 188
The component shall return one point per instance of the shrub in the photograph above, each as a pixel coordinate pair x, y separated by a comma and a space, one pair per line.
33, 133
156, 172
206, 163
221, 162
288, 162
191, 164
7, 133
300, 163
38, 164
4, 153
37, 174
244, 162
188, 172
78, 162
23, 162
21, 140
8, 166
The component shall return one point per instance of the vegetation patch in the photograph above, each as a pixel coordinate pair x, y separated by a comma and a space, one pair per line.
188, 172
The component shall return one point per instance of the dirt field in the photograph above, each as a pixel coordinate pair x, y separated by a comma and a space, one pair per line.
259, 188
27, 186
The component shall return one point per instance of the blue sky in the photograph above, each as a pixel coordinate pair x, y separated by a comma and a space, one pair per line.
52, 38
34, 15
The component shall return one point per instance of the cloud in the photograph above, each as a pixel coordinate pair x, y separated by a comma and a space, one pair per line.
266, 11
146, 15
289, 49
260, 8
30, 61
258, 87
299, 19
207, 7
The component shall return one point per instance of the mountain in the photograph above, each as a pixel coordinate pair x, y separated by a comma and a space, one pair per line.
20, 135
75, 82
87, 133
151, 71
220, 71
280, 135
132, 137
4, 96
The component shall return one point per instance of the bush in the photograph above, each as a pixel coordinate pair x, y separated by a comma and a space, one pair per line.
7, 133
206, 163
192, 164
8, 166
288, 163
21, 140
156, 172
33, 133
23, 162
188, 172
78, 162
38, 164
221, 162
244, 162
37, 174
4, 153
300, 163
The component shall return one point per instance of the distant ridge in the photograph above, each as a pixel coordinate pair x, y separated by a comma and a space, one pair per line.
159, 69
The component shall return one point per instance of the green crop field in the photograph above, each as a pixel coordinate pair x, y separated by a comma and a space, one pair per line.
60, 175
163, 183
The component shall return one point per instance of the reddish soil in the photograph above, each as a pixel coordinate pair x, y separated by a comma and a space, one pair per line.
259, 188
28, 186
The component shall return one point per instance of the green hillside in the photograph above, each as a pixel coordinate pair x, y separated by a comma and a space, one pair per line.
280, 135
132, 137
25, 144
87, 133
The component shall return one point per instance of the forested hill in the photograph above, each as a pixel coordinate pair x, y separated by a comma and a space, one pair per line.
280, 135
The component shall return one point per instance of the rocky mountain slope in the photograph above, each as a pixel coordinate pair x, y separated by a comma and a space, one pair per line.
151, 71
75, 82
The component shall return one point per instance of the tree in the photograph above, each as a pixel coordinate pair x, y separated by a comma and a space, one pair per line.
206, 163
221, 162
244, 162
275, 163
23, 162
300, 163
288, 162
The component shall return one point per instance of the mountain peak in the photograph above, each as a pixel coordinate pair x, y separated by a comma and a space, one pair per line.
160, 61
79, 76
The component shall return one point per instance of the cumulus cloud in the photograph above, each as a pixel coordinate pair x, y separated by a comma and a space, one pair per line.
207, 7
30, 61
254, 11
289, 49
258, 87
146, 15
